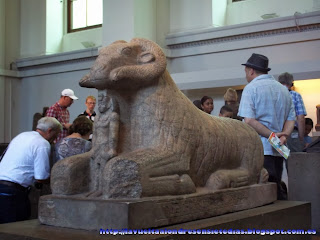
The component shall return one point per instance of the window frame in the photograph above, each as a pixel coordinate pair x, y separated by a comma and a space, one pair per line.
69, 20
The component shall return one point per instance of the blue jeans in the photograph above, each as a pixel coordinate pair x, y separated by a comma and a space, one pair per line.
14, 204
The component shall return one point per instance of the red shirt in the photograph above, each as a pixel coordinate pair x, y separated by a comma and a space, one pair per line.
62, 115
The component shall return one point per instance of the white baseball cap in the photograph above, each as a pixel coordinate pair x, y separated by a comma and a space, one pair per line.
68, 93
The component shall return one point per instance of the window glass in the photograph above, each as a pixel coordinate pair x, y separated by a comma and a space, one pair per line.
84, 14
94, 12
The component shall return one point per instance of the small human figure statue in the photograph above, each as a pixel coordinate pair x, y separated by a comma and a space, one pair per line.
104, 140
317, 127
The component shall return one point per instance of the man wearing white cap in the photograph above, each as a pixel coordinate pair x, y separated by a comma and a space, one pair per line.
59, 111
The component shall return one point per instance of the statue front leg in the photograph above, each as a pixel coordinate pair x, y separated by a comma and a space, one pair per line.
71, 175
145, 173
227, 178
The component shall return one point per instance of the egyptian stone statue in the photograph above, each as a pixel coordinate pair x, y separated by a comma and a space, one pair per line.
149, 138
104, 148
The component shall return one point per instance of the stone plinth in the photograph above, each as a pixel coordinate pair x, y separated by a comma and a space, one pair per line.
316, 134
304, 182
279, 215
92, 214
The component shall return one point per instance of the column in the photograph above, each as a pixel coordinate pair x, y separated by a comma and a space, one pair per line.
2, 64
33, 28
190, 14
219, 11
126, 19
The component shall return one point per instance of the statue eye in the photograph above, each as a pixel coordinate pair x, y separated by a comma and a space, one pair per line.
126, 51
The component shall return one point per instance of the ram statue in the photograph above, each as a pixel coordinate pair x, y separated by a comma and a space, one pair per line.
150, 140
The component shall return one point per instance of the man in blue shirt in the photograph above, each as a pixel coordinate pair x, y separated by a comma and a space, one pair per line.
296, 140
25, 162
266, 106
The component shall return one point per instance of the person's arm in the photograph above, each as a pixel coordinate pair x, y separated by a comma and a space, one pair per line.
286, 131
42, 163
259, 127
300, 115
66, 125
301, 126
51, 112
265, 132
39, 183
44, 181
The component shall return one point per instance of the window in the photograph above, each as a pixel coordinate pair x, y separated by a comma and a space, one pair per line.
84, 14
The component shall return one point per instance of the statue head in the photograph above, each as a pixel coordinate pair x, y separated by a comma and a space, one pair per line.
122, 64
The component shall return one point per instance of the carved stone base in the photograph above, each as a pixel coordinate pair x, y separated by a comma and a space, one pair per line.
93, 214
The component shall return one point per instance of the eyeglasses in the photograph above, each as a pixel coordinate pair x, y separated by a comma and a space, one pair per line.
91, 103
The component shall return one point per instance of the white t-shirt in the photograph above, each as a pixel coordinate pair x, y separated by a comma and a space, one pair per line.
26, 159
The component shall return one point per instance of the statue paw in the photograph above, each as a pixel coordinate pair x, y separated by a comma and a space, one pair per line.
264, 176
222, 179
94, 194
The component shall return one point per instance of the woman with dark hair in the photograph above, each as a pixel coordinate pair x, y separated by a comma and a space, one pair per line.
197, 103
207, 104
77, 140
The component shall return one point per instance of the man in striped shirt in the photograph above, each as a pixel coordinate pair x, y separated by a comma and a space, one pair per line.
60, 112
296, 140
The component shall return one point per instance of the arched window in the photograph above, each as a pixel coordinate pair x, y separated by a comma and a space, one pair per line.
84, 14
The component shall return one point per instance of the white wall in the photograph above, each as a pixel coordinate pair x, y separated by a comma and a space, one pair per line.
74, 41
219, 12
310, 92
9, 51
200, 65
33, 28
252, 10
145, 19
212, 57
2, 63
206, 61
190, 14
163, 21
47, 92
118, 21
12, 34
126, 19
43, 29
2, 33
54, 26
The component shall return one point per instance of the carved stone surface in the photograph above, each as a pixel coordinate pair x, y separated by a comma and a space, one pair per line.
150, 140
279, 215
74, 212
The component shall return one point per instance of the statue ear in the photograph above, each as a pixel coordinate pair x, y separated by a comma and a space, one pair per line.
146, 58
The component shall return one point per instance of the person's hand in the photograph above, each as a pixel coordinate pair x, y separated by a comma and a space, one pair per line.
283, 137
283, 140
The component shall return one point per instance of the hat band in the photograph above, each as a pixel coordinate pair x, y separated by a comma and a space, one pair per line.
256, 67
